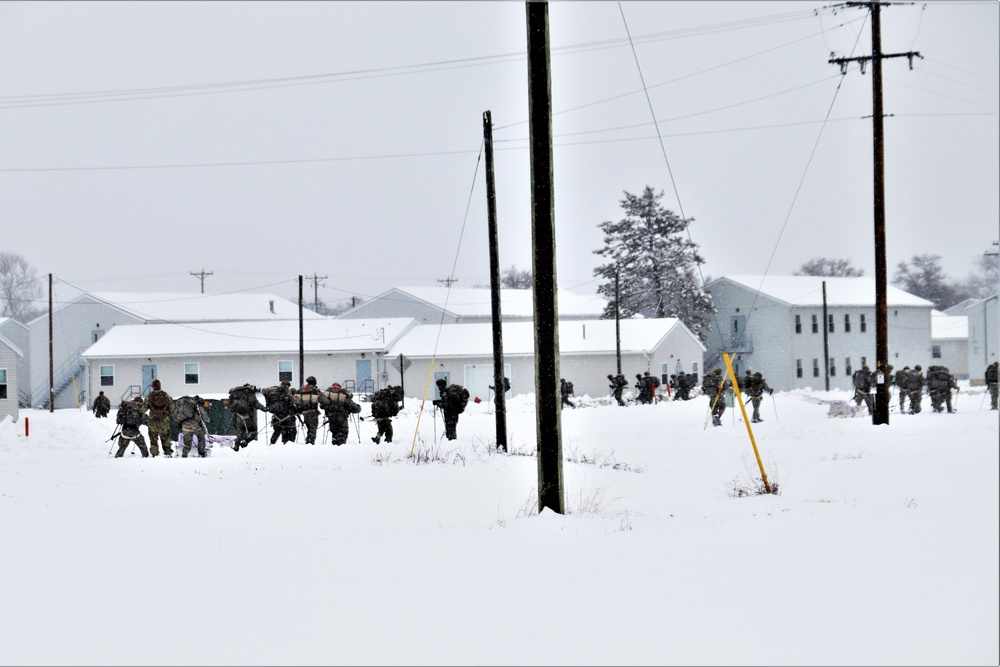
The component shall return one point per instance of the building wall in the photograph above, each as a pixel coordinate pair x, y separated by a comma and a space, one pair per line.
984, 336
218, 373
777, 347
397, 304
9, 362
954, 356
72, 333
18, 334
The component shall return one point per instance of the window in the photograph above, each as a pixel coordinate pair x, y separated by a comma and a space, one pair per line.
847, 323
847, 366
815, 322
864, 323
107, 376
829, 323
798, 368
284, 371
833, 367
864, 361
95, 335
815, 368
191, 373
798, 324
3, 383
936, 351
694, 367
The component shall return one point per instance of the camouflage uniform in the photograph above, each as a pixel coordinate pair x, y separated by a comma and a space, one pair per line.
452, 402
102, 405
617, 385
901, 384
281, 405
991, 384
338, 404
713, 386
192, 427
756, 385
915, 388
862, 380
307, 401
130, 417
159, 419
385, 406
566, 390
243, 403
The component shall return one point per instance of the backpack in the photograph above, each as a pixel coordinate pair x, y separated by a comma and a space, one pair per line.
242, 399
457, 397
278, 401
384, 404
129, 414
185, 408
569, 387
159, 404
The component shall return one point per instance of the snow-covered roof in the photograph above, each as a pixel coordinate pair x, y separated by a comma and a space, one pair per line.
477, 302
147, 340
575, 337
194, 307
944, 326
808, 290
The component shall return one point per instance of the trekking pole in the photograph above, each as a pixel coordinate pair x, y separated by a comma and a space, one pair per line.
775, 406
357, 427
435, 423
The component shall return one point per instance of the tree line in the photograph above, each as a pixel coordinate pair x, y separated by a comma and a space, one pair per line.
651, 270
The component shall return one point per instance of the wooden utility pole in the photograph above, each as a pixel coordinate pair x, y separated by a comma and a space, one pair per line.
826, 342
201, 275
302, 345
52, 392
618, 328
548, 401
315, 281
881, 413
491, 209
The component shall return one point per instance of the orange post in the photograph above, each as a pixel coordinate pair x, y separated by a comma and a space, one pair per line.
25, 427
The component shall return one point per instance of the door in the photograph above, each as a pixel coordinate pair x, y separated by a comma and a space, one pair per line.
363, 375
148, 375
440, 376
479, 379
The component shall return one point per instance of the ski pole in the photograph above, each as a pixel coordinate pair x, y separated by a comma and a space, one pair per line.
775, 406
712, 409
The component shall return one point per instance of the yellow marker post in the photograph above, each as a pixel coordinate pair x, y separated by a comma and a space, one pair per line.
423, 400
743, 409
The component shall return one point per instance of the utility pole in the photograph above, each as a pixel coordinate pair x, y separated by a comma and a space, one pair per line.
447, 282
499, 387
315, 281
302, 343
618, 326
548, 403
202, 275
881, 414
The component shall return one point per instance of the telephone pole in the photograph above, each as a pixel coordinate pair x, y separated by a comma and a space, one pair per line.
202, 275
881, 414
447, 282
315, 281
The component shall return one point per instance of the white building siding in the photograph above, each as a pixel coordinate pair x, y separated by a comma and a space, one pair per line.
9, 362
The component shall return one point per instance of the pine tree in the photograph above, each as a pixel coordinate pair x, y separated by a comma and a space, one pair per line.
655, 264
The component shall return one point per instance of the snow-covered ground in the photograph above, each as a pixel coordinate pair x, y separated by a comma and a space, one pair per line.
880, 547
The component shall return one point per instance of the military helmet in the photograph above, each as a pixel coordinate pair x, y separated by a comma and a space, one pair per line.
286, 383
311, 379
440, 382
918, 367
757, 374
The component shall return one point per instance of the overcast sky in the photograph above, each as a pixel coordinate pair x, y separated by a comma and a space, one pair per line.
143, 141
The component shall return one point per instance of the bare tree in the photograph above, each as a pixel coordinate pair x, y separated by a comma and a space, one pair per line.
514, 278
20, 288
983, 279
824, 266
924, 277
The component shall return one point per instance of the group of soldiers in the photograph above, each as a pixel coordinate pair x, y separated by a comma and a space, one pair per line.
911, 382
645, 387
287, 406
717, 388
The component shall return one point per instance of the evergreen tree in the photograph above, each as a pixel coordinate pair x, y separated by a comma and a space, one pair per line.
655, 265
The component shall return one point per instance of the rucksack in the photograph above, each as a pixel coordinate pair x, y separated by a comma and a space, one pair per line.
569, 387
159, 404
457, 397
242, 399
129, 414
384, 404
278, 401
185, 408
